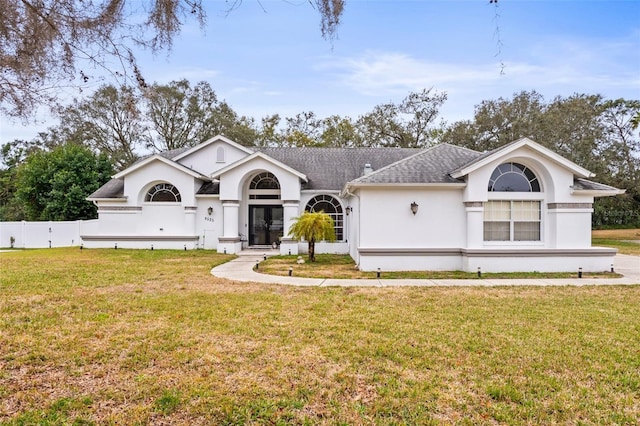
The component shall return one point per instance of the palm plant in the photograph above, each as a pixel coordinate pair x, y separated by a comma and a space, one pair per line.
313, 227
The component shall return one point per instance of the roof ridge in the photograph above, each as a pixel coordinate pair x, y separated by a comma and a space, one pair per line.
388, 166
460, 147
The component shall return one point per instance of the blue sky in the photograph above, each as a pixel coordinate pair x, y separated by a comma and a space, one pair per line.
269, 57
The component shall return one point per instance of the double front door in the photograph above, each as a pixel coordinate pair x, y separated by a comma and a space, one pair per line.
265, 224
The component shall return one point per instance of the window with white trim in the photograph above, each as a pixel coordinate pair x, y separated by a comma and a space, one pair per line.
512, 220
163, 192
516, 218
331, 206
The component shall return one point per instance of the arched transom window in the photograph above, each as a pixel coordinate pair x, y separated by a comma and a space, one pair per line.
331, 206
513, 177
163, 192
264, 186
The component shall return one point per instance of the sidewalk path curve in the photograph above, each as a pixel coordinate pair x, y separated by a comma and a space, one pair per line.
241, 269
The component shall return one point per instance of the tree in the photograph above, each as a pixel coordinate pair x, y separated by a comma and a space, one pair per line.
497, 122
339, 132
54, 185
182, 115
268, 134
313, 227
302, 130
50, 44
620, 155
109, 122
408, 124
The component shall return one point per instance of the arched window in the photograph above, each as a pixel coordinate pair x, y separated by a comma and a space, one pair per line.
264, 186
265, 181
331, 206
508, 219
513, 177
163, 192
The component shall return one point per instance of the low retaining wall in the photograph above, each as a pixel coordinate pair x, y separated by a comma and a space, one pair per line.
594, 259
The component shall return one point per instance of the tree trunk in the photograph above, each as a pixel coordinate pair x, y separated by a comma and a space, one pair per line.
312, 251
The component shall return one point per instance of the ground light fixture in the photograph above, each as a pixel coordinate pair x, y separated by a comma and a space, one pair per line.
414, 208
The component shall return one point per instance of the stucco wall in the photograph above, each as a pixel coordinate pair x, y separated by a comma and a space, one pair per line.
386, 219
138, 182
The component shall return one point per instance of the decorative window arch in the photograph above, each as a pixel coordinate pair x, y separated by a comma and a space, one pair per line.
331, 206
163, 192
264, 180
513, 177
264, 186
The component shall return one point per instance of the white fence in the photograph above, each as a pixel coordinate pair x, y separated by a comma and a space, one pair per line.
44, 234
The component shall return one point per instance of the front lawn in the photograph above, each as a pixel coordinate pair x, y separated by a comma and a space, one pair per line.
627, 241
141, 337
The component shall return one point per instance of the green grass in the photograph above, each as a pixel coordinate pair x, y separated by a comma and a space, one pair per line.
624, 247
343, 266
627, 241
140, 337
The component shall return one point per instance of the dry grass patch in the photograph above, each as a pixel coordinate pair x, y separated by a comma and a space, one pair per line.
617, 234
134, 337
627, 241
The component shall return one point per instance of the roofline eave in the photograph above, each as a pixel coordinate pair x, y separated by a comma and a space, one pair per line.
265, 157
171, 163
106, 199
598, 192
556, 158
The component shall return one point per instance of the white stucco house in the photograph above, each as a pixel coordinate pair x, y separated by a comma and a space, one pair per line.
521, 207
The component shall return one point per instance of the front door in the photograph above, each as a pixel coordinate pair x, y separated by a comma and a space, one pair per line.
265, 224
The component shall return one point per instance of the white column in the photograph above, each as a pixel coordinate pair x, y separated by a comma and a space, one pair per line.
290, 209
230, 242
475, 218
230, 210
190, 219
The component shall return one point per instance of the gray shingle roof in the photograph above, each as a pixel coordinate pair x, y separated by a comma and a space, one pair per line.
432, 165
587, 185
332, 168
112, 189
209, 188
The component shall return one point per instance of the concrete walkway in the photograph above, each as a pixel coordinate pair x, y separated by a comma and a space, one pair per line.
241, 269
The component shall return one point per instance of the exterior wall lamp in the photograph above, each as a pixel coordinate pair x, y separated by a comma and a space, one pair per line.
414, 208
348, 210
210, 211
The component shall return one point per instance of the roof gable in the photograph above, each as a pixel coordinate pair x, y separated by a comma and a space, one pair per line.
429, 166
157, 157
509, 148
218, 138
